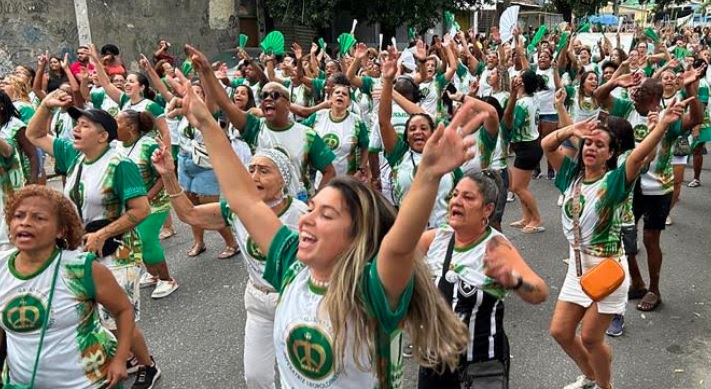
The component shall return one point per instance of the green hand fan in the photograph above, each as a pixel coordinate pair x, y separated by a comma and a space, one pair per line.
273, 43
411, 33
562, 43
584, 28
243, 40
652, 34
322, 44
186, 67
542, 30
345, 42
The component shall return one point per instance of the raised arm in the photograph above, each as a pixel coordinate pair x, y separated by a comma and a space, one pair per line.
361, 53
602, 93
38, 128
39, 86
516, 84
551, 143
407, 105
491, 122
155, 80
449, 47
504, 263
446, 150
695, 115
211, 85
111, 90
387, 131
77, 95
236, 184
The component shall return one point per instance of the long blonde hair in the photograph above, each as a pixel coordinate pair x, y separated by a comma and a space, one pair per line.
437, 335
21, 91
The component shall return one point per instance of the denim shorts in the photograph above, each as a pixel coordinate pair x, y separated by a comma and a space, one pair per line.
548, 118
195, 179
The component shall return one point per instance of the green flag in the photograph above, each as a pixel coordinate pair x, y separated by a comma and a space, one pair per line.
584, 28
243, 40
538, 37
345, 42
652, 34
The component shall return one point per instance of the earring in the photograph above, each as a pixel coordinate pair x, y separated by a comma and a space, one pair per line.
62, 242
485, 222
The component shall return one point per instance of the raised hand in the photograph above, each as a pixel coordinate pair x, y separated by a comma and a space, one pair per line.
198, 59
65, 61
629, 80
296, 48
692, 75
585, 128
389, 65
162, 159
499, 262
43, 59
57, 99
560, 96
361, 51
420, 52
674, 111
144, 63
194, 108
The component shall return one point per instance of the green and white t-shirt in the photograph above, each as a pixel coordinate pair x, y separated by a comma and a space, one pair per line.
659, 178
16, 167
403, 162
483, 73
601, 204
77, 349
545, 98
484, 146
26, 110
253, 257
432, 95
140, 153
627, 217
100, 100
62, 125
302, 145
499, 159
303, 336
299, 94
398, 119
105, 185
145, 105
462, 78
364, 96
345, 137
578, 110
525, 121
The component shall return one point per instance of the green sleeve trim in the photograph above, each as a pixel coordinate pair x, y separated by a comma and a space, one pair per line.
64, 154
377, 299
97, 98
225, 211
479, 68
617, 187
281, 255
309, 121
395, 157
250, 132
621, 107
88, 279
128, 183
566, 175
363, 135
367, 87
123, 100
155, 110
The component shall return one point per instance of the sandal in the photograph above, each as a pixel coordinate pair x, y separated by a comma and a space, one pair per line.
518, 224
228, 252
649, 302
197, 249
533, 229
636, 294
166, 233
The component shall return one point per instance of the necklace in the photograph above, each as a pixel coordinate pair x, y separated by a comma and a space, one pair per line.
323, 285
275, 202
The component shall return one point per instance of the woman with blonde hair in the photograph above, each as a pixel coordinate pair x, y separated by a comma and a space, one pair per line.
19, 93
349, 280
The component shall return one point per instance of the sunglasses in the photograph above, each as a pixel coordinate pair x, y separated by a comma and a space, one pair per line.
274, 95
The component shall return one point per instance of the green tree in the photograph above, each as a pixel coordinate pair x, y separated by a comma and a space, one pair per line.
579, 7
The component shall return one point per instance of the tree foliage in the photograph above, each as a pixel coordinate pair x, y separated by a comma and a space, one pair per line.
579, 7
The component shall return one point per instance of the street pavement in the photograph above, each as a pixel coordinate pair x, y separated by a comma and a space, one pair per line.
196, 334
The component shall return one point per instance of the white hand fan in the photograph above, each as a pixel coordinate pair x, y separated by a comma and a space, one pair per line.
507, 22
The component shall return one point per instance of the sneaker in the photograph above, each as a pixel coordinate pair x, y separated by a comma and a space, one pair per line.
132, 365
147, 377
668, 221
147, 279
581, 383
551, 174
617, 326
164, 288
694, 183
407, 351
560, 200
537, 173
510, 197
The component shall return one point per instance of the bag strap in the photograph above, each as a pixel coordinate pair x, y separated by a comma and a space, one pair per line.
46, 319
576, 225
445, 266
74, 194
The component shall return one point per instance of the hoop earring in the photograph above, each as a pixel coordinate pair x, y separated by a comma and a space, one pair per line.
485, 222
62, 243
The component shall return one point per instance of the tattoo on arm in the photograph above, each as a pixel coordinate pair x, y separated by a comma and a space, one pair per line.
132, 218
528, 288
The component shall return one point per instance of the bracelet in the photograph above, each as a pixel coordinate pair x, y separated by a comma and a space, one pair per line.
174, 195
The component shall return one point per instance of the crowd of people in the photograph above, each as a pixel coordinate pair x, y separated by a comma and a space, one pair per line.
364, 189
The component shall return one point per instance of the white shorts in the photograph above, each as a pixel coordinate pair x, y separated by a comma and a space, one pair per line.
572, 292
129, 279
683, 160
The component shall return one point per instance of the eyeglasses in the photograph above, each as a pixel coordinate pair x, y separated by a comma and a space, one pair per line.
274, 95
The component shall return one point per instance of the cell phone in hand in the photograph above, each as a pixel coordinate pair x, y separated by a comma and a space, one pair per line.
602, 117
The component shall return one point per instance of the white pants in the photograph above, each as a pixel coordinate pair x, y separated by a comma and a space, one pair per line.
259, 357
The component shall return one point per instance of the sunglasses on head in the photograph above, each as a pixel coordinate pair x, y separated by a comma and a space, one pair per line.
274, 95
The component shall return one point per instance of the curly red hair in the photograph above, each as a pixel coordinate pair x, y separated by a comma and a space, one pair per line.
67, 217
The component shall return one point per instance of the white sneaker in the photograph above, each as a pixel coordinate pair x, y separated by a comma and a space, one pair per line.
581, 383
164, 288
669, 221
510, 197
148, 280
561, 198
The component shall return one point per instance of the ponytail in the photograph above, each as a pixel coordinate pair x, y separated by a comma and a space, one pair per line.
143, 121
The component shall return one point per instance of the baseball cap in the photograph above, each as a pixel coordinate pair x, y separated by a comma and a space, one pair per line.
97, 116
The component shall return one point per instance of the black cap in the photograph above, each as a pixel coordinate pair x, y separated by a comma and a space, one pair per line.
97, 116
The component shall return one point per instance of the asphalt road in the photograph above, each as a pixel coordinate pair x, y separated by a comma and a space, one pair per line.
196, 334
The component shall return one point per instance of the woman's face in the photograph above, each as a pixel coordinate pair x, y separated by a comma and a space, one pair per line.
23, 74
34, 225
168, 69
607, 73
125, 128
374, 69
241, 97
54, 64
584, 57
466, 206
267, 178
634, 58
431, 66
331, 68
590, 83
544, 60
132, 87
596, 150
88, 136
119, 81
324, 231
340, 98
669, 81
418, 132
7, 87
493, 78
615, 57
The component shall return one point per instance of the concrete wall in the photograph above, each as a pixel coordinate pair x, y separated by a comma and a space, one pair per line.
29, 27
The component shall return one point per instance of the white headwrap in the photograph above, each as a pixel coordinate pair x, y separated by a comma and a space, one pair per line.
291, 181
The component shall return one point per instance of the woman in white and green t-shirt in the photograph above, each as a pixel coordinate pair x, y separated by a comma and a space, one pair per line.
46, 279
349, 280
596, 189
136, 144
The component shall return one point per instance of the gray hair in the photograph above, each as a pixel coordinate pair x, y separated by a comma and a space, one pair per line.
489, 184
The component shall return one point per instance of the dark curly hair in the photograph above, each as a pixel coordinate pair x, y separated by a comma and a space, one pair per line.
68, 220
